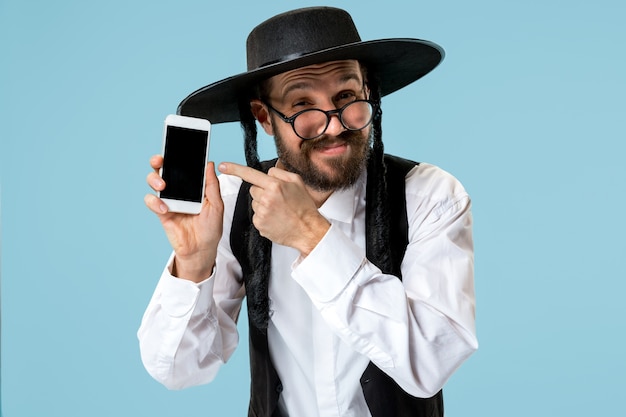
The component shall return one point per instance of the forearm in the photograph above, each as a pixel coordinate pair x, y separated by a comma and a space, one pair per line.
411, 340
418, 330
194, 268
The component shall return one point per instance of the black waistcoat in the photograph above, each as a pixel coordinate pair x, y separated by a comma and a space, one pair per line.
383, 396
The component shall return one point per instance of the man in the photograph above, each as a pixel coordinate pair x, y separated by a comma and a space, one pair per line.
357, 267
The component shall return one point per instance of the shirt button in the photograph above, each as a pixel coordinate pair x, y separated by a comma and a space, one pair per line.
279, 388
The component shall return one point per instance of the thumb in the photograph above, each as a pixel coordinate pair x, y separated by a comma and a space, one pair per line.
212, 185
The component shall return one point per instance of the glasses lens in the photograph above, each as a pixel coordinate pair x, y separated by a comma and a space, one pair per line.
313, 122
310, 123
357, 115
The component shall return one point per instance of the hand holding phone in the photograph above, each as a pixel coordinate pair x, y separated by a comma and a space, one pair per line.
185, 152
194, 237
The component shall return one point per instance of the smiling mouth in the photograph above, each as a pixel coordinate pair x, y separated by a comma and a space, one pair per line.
331, 148
328, 145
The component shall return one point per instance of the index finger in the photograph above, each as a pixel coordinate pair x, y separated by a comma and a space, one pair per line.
246, 173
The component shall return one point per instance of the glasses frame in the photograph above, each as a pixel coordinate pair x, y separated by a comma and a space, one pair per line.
329, 113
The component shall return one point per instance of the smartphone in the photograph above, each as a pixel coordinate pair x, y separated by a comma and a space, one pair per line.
185, 152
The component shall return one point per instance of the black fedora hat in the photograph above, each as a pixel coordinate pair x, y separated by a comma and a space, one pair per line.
310, 36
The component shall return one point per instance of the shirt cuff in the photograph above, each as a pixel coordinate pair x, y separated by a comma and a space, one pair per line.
179, 297
323, 274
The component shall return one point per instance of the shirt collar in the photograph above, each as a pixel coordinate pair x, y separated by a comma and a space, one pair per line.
342, 204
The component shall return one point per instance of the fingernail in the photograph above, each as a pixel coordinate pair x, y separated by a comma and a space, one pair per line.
222, 167
163, 208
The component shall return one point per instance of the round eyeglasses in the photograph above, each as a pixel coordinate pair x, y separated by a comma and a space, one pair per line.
312, 123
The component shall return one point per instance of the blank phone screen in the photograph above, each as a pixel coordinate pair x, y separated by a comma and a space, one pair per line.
184, 160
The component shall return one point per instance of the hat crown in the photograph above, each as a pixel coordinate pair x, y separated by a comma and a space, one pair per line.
298, 33
306, 37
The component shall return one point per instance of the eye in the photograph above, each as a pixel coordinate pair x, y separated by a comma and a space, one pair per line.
345, 96
301, 103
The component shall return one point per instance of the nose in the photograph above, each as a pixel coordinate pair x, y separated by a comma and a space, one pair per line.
335, 128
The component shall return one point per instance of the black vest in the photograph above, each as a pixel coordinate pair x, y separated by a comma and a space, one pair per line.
383, 396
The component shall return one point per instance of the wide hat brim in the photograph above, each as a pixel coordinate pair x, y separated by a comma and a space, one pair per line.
394, 62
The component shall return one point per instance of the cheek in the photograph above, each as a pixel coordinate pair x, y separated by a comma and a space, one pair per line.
288, 138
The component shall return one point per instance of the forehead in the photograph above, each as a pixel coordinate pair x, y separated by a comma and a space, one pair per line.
328, 74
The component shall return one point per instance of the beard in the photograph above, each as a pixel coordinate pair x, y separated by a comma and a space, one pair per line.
343, 171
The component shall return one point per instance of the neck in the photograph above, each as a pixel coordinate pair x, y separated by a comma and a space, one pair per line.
319, 197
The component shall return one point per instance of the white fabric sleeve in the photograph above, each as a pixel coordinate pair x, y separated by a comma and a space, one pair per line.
184, 336
189, 330
418, 330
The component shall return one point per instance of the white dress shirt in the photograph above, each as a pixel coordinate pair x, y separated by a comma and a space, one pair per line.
333, 312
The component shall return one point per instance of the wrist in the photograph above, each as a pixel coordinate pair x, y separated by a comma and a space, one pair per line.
317, 229
195, 268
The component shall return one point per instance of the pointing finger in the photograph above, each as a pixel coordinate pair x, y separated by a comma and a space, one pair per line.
283, 175
247, 174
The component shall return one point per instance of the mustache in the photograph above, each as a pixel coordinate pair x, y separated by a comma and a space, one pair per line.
351, 137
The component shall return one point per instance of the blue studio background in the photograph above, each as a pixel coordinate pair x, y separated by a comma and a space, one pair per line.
527, 110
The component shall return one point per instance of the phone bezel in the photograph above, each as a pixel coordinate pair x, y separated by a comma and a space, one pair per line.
183, 206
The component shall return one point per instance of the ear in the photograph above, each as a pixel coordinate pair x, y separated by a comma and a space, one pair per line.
261, 113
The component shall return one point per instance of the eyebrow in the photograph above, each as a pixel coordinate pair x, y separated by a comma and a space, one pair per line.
302, 85
351, 76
